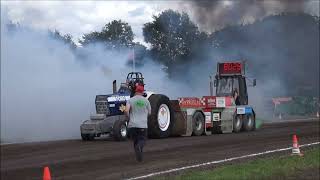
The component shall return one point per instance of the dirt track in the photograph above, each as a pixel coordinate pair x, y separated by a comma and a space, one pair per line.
106, 159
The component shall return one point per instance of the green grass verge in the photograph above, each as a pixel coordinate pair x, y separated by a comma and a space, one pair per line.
265, 168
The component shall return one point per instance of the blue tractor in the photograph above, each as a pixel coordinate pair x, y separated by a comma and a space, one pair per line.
110, 119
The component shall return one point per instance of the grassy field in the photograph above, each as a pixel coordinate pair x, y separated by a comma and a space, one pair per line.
281, 167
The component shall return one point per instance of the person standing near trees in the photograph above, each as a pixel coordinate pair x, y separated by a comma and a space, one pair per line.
137, 109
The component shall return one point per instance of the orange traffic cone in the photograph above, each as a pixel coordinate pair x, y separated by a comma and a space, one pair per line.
46, 173
295, 147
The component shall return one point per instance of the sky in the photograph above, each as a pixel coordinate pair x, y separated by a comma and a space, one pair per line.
80, 17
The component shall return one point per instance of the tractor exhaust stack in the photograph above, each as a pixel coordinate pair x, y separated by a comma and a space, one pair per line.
211, 86
114, 86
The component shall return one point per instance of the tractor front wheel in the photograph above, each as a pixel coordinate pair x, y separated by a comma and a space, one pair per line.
237, 123
120, 131
248, 124
198, 124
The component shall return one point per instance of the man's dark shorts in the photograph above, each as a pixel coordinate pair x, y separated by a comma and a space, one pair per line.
138, 134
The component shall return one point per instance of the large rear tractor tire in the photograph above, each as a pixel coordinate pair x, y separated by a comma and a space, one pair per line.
161, 119
237, 124
248, 124
120, 131
198, 124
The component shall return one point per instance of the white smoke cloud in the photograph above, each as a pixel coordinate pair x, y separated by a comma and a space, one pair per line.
47, 91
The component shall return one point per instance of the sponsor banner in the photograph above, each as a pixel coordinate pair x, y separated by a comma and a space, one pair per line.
220, 102
228, 100
248, 110
241, 110
190, 102
216, 117
207, 117
118, 98
210, 101
244, 110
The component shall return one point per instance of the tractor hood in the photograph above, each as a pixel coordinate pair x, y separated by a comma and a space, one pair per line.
123, 97
115, 101
117, 98
110, 104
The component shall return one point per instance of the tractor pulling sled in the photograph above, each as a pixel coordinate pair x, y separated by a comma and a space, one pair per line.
186, 116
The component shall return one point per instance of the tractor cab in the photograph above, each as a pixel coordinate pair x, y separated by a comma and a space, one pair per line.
132, 79
128, 87
110, 104
136, 77
230, 79
229, 85
124, 89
